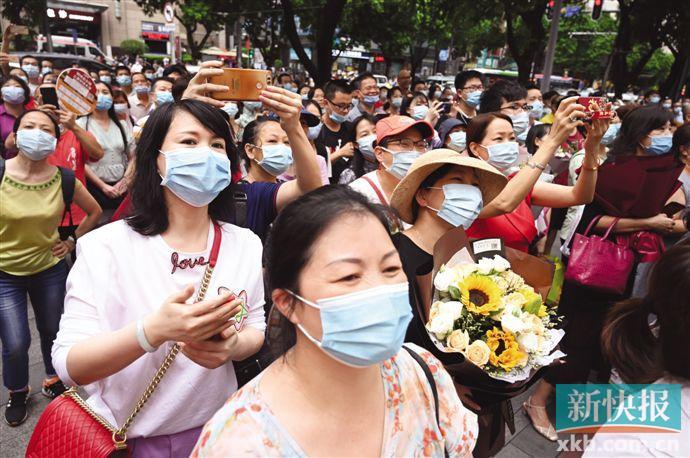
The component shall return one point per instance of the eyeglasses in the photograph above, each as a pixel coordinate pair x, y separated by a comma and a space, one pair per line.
341, 106
476, 87
407, 144
517, 107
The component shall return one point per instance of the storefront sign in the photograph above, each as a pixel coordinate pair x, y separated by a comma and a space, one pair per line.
72, 15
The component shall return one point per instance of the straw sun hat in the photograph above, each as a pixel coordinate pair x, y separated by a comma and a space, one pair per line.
491, 181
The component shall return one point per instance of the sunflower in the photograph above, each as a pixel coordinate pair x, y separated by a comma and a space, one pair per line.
480, 294
505, 351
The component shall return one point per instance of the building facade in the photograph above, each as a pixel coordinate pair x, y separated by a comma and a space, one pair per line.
109, 22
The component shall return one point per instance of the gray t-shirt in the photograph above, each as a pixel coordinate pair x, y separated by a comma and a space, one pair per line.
111, 167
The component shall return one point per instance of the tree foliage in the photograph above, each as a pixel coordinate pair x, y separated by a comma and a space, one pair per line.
210, 14
133, 47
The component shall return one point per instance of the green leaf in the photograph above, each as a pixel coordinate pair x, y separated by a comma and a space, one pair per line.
533, 306
454, 292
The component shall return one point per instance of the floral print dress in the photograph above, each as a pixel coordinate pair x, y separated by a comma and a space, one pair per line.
245, 425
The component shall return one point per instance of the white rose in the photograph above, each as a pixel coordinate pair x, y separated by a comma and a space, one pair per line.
478, 353
501, 264
458, 340
485, 266
511, 323
528, 342
463, 270
532, 323
443, 279
441, 325
451, 308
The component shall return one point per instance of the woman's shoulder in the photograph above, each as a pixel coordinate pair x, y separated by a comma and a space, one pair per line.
240, 234
112, 235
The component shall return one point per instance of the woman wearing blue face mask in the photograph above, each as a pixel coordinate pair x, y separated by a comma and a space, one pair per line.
491, 137
418, 108
107, 178
15, 94
32, 253
133, 293
364, 160
442, 191
343, 307
630, 202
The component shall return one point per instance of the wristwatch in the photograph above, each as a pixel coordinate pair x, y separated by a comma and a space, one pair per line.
534, 165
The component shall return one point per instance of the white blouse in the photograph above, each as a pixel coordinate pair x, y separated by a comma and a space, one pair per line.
121, 276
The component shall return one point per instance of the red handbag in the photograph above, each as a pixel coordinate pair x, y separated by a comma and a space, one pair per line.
69, 427
599, 263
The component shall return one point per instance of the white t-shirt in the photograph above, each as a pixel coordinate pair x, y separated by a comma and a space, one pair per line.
362, 186
111, 167
121, 276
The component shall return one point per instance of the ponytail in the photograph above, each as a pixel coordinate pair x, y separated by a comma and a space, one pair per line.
629, 344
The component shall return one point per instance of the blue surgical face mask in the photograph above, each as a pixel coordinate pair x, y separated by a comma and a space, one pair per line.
363, 328
654, 99
502, 155
661, 144
13, 94
520, 122
473, 98
305, 96
402, 161
458, 141
419, 112
313, 132
667, 106
164, 97
196, 175
366, 147
32, 70
46, 70
537, 109
123, 80
150, 76
461, 205
142, 89
104, 102
610, 134
231, 109
337, 118
437, 94
290, 87
371, 99
35, 144
277, 159
252, 106
396, 101
105, 79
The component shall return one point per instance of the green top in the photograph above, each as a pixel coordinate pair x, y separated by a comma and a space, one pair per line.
29, 218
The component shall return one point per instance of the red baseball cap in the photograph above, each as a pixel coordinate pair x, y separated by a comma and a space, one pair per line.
393, 125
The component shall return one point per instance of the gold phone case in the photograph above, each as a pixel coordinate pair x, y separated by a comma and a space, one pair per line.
243, 84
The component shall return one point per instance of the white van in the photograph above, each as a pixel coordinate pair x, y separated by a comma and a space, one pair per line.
66, 45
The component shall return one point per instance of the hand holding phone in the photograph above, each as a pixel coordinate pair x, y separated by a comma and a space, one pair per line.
671, 208
242, 83
49, 96
596, 107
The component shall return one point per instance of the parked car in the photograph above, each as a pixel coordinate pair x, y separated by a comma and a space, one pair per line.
62, 61
66, 45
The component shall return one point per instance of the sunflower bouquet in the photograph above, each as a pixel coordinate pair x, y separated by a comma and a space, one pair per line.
487, 312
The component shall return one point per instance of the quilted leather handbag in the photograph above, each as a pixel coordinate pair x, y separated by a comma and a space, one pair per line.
69, 428
599, 263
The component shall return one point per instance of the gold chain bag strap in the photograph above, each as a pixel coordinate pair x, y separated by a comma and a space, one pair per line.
54, 435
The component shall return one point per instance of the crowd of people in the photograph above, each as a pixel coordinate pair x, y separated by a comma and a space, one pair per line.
276, 244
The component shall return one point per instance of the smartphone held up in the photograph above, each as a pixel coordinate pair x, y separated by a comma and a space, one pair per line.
243, 84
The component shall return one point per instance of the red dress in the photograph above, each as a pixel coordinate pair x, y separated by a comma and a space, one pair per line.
516, 229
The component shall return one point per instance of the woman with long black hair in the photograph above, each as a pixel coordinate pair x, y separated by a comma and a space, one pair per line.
107, 180
129, 295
